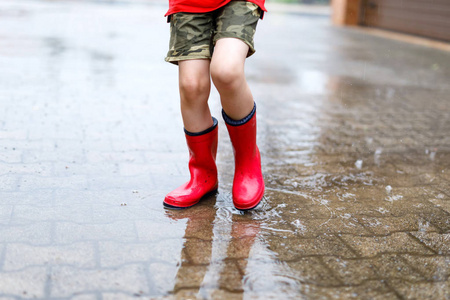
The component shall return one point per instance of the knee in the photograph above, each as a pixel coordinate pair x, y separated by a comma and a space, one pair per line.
226, 77
192, 89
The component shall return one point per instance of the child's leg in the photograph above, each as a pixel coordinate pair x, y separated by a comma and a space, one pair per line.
190, 49
239, 112
236, 25
227, 72
201, 134
195, 86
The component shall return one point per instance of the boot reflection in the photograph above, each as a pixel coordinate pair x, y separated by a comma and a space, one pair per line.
201, 276
244, 232
196, 251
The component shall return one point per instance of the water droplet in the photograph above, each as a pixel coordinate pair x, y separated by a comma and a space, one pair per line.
346, 216
432, 155
388, 189
298, 224
394, 198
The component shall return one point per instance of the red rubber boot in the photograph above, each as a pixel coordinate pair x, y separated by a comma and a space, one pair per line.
248, 183
202, 167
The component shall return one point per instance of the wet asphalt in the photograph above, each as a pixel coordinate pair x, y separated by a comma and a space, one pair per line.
353, 131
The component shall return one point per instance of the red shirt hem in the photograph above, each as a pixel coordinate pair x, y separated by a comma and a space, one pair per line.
174, 7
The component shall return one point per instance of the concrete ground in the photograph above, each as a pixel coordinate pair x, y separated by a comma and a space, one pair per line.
353, 131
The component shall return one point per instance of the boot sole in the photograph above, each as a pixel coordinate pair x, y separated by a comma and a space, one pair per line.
247, 209
213, 192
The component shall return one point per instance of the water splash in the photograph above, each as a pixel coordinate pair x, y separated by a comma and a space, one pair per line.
377, 156
299, 225
388, 189
423, 225
382, 210
394, 198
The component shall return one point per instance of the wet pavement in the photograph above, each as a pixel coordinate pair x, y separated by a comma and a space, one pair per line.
353, 131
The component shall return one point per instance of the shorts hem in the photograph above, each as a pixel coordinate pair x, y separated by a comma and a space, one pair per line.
245, 39
175, 60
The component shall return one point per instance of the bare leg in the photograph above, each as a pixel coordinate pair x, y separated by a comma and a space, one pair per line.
195, 86
227, 72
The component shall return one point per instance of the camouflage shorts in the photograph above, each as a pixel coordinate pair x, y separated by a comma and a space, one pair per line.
193, 35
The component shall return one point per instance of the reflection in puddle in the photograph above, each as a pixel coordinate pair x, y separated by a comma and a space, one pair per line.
338, 198
215, 253
226, 253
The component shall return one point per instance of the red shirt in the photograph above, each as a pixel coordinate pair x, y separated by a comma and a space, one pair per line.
202, 6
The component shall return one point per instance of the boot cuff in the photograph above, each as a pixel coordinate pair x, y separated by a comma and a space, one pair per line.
215, 122
232, 122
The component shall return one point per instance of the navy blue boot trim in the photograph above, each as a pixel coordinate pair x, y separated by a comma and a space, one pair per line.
215, 122
232, 122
